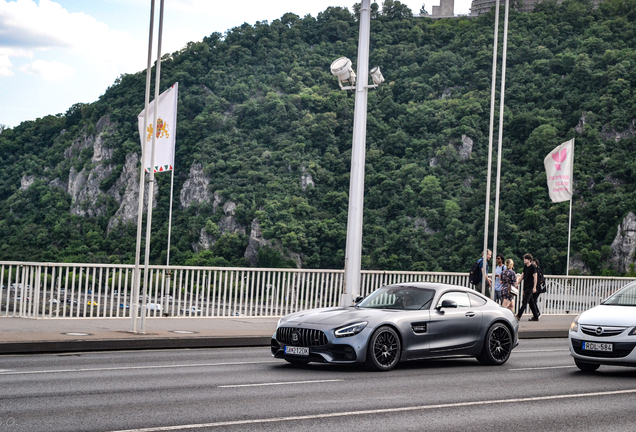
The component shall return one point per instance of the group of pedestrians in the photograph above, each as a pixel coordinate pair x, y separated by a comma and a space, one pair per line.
507, 284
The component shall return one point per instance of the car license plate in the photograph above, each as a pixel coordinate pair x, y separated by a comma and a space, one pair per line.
593, 346
297, 350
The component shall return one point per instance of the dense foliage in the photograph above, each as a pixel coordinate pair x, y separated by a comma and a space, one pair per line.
259, 109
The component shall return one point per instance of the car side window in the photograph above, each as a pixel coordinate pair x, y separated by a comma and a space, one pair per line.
475, 300
460, 298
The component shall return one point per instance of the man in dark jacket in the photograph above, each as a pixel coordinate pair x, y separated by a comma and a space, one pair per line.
530, 280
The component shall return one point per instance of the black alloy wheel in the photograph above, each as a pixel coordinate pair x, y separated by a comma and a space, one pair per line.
497, 345
586, 367
384, 349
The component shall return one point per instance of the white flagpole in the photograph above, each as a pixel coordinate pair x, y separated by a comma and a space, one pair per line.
142, 178
170, 215
484, 274
567, 269
500, 144
152, 171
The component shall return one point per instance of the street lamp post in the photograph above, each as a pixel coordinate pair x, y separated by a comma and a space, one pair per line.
353, 251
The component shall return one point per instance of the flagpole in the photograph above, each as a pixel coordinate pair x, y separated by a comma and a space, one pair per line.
151, 180
567, 268
142, 177
500, 144
170, 216
484, 273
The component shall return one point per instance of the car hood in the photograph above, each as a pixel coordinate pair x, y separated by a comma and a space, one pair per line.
620, 316
335, 316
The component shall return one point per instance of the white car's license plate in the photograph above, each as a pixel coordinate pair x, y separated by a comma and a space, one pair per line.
594, 346
297, 350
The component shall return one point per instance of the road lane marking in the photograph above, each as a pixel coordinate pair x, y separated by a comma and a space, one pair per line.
279, 383
135, 367
379, 411
544, 367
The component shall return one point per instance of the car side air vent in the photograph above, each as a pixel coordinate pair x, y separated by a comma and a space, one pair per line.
419, 327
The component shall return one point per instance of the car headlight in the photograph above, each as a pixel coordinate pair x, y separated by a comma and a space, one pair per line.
351, 329
574, 327
633, 332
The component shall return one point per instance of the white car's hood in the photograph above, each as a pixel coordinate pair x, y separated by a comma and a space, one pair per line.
606, 315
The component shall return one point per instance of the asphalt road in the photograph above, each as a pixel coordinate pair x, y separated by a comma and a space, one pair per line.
539, 389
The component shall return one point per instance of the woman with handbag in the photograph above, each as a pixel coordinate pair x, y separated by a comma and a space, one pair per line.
508, 286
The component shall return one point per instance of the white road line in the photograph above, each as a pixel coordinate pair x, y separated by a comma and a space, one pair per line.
541, 368
533, 351
136, 367
379, 411
5, 370
278, 383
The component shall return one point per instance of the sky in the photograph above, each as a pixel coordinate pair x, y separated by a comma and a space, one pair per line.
55, 53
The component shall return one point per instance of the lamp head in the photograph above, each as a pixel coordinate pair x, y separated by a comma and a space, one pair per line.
376, 75
341, 68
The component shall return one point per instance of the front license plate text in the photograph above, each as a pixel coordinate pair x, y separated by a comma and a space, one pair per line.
594, 346
297, 350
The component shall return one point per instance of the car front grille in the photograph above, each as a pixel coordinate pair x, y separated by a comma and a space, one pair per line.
621, 349
305, 337
605, 331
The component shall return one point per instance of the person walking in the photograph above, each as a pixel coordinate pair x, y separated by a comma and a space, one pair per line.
508, 280
499, 268
529, 278
480, 265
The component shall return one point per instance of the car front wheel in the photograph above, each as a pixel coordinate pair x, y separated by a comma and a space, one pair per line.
586, 367
497, 345
384, 349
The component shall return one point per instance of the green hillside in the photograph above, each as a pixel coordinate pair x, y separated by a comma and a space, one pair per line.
259, 109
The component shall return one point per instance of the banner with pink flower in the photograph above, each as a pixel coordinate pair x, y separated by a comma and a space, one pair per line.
559, 167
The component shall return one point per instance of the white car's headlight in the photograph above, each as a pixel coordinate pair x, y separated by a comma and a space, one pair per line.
351, 329
633, 332
574, 327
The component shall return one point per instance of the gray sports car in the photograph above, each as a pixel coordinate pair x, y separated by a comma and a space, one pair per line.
401, 322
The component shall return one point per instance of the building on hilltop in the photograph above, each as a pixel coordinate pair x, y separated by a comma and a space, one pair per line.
479, 7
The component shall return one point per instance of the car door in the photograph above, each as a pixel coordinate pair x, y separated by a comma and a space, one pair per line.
454, 328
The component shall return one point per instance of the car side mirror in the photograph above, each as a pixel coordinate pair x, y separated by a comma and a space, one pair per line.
447, 304
358, 299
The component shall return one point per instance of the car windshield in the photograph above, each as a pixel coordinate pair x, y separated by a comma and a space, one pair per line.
623, 297
399, 297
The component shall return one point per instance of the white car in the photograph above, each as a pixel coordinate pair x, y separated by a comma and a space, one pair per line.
606, 334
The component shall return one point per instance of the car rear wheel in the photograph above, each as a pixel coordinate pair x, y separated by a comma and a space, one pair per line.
587, 367
497, 345
384, 349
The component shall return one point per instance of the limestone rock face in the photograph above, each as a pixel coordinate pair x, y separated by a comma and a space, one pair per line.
576, 263
195, 188
421, 223
256, 242
26, 182
610, 133
125, 191
206, 241
466, 148
306, 179
580, 127
624, 244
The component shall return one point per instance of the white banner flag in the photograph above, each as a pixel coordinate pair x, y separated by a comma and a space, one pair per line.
165, 131
559, 167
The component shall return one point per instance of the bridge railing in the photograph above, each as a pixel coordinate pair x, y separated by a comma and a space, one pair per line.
51, 290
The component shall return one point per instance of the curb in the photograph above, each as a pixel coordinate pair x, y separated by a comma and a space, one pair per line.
44, 347
49, 347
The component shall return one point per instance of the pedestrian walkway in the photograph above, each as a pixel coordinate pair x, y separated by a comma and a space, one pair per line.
24, 335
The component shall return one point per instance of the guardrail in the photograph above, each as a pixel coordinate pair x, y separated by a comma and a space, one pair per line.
51, 290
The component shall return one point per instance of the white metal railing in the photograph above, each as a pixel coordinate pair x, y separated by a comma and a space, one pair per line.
49, 290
